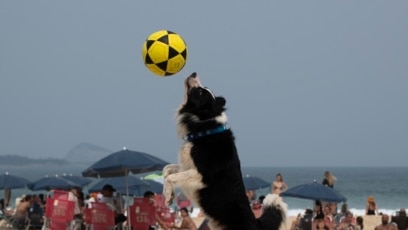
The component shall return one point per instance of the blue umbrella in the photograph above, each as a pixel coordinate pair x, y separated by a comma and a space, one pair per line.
254, 183
119, 183
314, 191
78, 179
10, 181
50, 183
123, 162
154, 186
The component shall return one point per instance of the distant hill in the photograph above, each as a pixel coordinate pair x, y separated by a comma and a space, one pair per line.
14, 160
86, 153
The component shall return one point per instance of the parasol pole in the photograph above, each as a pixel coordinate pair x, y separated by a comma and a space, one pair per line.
7, 196
127, 201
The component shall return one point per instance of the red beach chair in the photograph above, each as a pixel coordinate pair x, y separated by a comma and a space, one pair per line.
59, 212
142, 214
166, 216
100, 216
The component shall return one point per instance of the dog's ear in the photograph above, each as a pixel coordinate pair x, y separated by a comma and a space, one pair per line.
220, 101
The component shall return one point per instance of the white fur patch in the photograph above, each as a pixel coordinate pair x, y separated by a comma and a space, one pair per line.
223, 119
276, 201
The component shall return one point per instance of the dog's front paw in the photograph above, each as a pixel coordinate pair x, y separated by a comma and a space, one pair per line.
169, 200
170, 169
168, 191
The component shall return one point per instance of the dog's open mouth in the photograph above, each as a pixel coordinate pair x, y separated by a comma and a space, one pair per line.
193, 81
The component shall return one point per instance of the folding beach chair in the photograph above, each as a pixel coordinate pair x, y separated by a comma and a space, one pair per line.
166, 216
58, 213
160, 200
183, 201
60, 195
142, 214
99, 216
35, 217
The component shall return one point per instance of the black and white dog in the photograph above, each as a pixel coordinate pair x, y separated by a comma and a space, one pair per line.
209, 170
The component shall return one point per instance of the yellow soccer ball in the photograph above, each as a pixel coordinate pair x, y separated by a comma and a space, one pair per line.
164, 53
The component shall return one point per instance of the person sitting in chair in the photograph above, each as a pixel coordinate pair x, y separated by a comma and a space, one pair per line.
187, 223
20, 217
112, 203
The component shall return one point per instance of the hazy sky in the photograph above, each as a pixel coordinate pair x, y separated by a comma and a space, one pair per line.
307, 83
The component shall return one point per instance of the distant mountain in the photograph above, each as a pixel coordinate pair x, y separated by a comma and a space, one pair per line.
86, 153
14, 160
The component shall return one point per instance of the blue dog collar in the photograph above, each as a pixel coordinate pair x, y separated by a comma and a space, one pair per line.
193, 136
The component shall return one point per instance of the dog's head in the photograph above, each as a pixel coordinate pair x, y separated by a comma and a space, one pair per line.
202, 113
201, 101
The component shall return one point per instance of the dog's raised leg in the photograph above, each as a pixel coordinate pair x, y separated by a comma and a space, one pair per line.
187, 180
170, 169
168, 190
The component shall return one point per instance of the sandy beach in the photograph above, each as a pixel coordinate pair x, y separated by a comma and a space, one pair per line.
370, 222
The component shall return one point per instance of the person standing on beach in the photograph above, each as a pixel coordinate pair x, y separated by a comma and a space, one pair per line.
278, 186
329, 179
385, 225
328, 216
371, 206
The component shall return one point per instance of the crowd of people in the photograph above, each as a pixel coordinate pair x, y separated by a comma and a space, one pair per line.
326, 216
30, 210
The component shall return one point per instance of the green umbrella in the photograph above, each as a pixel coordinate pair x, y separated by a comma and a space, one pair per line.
154, 176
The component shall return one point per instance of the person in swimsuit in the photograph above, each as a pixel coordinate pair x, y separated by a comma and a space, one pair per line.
371, 206
329, 179
187, 223
279, 185
385, 224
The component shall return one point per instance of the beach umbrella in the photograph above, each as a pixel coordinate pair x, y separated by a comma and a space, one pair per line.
314, 191
119, 183
77, 179
50, 183
254, 183
134, 189
153, 186
122, 163
155, 176
8, 182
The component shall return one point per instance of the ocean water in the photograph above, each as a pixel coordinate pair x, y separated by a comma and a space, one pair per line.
388, 185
